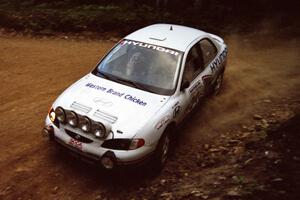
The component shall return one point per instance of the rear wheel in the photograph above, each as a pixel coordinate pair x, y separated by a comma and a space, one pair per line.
218, 84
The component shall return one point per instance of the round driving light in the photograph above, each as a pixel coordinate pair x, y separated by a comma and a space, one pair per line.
99, 130
52, 116
85, 124
72, 119
107, 163
60, 114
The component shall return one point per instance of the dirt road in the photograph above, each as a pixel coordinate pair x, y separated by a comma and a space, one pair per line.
33, 72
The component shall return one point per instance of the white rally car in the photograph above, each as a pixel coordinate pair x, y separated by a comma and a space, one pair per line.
127, 108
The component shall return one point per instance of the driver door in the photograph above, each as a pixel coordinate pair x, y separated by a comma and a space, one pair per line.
193, 71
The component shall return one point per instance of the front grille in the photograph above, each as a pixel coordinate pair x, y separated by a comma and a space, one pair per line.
80, 107
78, 137
107, 117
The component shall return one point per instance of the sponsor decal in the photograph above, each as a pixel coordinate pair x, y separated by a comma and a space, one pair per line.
195, 86
217, 62
113, 92
135, 100
75, 143
162, 122
150, 46
96, 87
116, 93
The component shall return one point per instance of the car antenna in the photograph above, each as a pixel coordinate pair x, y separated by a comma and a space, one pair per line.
171, 28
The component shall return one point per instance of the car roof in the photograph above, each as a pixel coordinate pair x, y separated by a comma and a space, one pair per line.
167, 35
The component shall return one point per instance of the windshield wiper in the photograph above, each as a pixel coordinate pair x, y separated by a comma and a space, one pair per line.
132, 83
105, 75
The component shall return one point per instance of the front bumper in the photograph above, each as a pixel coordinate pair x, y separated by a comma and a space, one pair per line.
93, 150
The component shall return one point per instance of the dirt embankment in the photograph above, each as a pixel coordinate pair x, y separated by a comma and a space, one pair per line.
224, 151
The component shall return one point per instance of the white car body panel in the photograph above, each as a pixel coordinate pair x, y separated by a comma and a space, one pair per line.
126, 111
160, 34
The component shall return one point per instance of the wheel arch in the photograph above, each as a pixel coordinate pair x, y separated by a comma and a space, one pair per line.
168, 129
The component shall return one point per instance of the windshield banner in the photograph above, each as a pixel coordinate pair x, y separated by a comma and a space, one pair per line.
150, 46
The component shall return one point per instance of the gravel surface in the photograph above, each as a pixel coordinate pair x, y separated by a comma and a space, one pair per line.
226, 150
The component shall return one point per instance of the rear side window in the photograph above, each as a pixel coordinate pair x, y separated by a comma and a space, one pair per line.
209, 51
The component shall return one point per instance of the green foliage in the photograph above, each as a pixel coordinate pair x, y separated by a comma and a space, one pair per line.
121, 17
71, 19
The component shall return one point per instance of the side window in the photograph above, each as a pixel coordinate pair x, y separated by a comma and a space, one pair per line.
194, 63
209, 51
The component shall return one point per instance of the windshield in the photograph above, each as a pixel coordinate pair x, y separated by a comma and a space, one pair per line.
144, 66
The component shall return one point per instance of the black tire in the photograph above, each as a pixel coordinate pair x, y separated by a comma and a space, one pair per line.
218, 84
162, 151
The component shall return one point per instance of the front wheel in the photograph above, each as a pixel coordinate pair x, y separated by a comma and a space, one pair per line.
162, 151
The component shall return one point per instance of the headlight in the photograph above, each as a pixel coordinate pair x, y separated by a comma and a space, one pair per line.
72, 119
123, 144
85, 124
60, 114
136, 143
99, 130
52, 115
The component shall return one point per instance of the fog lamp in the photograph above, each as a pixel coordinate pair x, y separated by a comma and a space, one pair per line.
72, 119
60, 114
107, 162
99, 130
85, 124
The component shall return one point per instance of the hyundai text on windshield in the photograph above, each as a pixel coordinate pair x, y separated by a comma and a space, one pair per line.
144, 66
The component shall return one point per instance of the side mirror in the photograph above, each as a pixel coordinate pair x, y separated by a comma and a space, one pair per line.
185, 84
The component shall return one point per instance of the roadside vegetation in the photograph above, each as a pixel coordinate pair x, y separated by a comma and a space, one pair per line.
46, 17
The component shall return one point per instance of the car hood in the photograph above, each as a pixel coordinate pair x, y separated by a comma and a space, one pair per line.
124, 108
